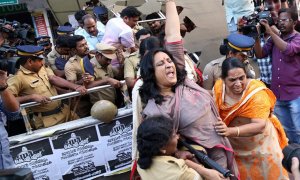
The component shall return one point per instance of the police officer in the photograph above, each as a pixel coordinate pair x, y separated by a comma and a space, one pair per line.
45, 42
65, 30
238, 46
35, 82
104, 73
60, 55
131, 62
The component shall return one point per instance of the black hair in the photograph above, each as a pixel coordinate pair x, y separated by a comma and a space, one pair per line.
223, 49
130, 12
21, 61
149, 89
231, 63
152, 134
291, 11
149, 44
229, 48
79, 14
152, 16
67, 24
142, 32
89, 16
62, 41
74, 39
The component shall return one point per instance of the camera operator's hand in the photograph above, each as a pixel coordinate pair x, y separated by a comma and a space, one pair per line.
295, 168
265, 23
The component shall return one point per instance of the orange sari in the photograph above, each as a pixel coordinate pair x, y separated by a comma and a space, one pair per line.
259, 156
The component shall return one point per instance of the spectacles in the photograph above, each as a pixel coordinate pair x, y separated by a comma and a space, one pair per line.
284, 20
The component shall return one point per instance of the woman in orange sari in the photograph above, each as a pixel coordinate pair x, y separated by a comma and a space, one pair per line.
256, 135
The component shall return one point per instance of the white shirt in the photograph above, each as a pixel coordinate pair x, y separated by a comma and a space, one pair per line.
93, 40
79, 31
118, 33
238, 8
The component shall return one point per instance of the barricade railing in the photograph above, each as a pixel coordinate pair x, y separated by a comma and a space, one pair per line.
55, 98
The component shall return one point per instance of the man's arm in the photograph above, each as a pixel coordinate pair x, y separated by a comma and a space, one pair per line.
113, 82
60, 82
279, 43
208, 77
258, 50
9, 101
130, 82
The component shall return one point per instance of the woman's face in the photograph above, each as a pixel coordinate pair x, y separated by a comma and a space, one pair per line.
236, 81
165, 71
171, 146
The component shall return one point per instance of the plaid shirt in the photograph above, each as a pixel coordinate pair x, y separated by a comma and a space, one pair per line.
265, 66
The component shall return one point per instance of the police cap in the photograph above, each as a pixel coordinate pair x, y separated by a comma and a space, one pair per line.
100, 10
106, 50
64, 30
42, 38
240, 42
30, 51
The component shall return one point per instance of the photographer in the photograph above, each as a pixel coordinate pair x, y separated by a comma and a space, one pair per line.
9, 109
285, 49
6, 35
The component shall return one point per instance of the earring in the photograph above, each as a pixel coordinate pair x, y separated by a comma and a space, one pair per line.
163, 151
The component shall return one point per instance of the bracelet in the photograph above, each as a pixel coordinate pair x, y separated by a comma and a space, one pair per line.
238, 131
2, 88
169, 1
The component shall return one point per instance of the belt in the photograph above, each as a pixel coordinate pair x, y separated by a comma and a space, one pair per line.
51, 112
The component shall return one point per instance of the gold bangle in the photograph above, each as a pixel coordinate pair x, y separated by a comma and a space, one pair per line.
238, 131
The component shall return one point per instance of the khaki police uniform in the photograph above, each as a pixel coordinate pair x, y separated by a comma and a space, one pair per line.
131, 64
51, 57
73, 72
73, 69
26, 82
100, 74
213, 70
168, 168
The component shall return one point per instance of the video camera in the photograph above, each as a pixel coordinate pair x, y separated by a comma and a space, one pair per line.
290, 151
22, 32
249, 29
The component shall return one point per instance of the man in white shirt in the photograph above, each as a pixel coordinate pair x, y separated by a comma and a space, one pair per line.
94, 31
119, 31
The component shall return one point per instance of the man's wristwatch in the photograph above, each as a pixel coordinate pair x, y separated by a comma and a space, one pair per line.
2, 88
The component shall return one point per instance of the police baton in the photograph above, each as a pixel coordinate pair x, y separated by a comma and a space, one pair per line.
203, 158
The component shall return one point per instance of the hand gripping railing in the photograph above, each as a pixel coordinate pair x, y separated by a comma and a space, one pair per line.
55, 98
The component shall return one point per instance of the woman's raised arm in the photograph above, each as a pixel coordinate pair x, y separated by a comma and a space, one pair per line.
172, 28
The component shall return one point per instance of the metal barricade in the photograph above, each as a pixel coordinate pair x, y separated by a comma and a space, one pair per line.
55, 98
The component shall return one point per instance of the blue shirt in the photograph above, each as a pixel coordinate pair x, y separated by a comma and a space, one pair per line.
6, 160
238, 8
93, 40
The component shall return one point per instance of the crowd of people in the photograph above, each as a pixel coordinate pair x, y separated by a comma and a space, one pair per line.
240, 120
